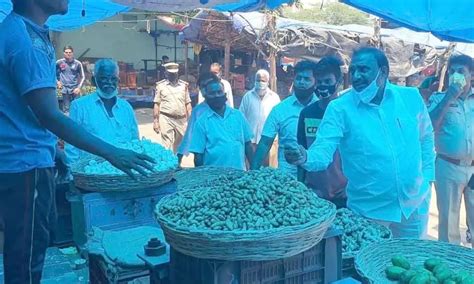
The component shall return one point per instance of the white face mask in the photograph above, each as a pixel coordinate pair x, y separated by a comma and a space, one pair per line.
369, 93
105, 95
261, 85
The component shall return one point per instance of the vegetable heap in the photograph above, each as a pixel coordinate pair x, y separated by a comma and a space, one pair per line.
434, 271
165, 159
358, 231
258, 200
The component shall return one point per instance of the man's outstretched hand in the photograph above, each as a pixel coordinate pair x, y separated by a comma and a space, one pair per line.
127, 160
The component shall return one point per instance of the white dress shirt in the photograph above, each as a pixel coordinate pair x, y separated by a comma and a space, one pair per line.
387, 152
89, 112
221, 140
455, 137
227, 91
256, 110
283, 121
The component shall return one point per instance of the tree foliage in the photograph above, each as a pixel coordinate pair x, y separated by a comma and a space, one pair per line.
331, 13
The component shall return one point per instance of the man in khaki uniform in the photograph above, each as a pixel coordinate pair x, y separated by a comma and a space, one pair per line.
452, 114
172, 108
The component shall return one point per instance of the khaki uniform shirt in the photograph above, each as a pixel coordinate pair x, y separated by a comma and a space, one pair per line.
172, 98
455, 136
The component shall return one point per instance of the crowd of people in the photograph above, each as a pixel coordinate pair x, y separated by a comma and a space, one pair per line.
376, 148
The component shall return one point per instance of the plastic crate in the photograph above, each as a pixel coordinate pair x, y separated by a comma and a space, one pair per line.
113, 210
320, 264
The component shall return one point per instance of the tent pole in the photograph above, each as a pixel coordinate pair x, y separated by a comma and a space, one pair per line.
186, 71
175, 47
155, 41
444, 62
186, 53
227, 44
271, 25
226, 59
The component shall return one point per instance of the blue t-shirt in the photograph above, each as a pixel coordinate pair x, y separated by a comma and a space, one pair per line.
27, 63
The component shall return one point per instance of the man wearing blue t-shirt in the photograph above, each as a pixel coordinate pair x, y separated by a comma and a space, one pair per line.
30, 121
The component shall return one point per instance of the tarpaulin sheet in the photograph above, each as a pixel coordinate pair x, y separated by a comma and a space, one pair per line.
449, 20
94, 11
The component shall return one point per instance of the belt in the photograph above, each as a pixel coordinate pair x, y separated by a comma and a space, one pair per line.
456, 161
173, 116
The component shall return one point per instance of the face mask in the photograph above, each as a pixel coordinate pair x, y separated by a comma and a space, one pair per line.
216, 103
325, 92
457, 78
303, 93
105, 95
261, 85
172, 76
369, 93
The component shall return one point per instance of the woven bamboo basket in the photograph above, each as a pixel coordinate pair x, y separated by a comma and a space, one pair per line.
373, 259
115, 182
200, 177
254, 245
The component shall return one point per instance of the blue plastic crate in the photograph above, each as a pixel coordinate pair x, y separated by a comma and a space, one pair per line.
114, 210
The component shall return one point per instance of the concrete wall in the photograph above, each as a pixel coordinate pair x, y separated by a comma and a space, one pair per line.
121, 41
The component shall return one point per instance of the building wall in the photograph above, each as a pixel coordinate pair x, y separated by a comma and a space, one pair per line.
121, 41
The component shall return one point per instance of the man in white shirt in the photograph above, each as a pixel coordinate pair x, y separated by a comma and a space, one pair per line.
102, 113
283, 119
257, 104
385, 138
216, 69
452, 114
221, 136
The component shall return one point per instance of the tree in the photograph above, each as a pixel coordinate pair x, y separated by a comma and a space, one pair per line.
331, 13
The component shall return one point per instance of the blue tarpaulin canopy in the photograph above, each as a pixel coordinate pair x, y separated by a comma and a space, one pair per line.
96, 10
449, 20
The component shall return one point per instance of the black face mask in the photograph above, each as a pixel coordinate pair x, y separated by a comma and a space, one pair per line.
216, 103
303, 93
172, 76
325, 92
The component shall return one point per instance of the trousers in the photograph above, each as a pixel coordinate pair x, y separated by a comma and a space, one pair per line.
27, 207
451, 186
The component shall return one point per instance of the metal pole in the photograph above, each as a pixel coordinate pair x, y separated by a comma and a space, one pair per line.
155, 41
175, 47
186, 71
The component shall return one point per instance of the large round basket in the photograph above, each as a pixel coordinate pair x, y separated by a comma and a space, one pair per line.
199, 177
245, 245
114, 182
373, 259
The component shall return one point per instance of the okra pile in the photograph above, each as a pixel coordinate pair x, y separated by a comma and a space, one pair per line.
357, 230
258, 200
434, 270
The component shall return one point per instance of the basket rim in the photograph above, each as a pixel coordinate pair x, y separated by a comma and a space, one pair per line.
328, 217
77, 170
